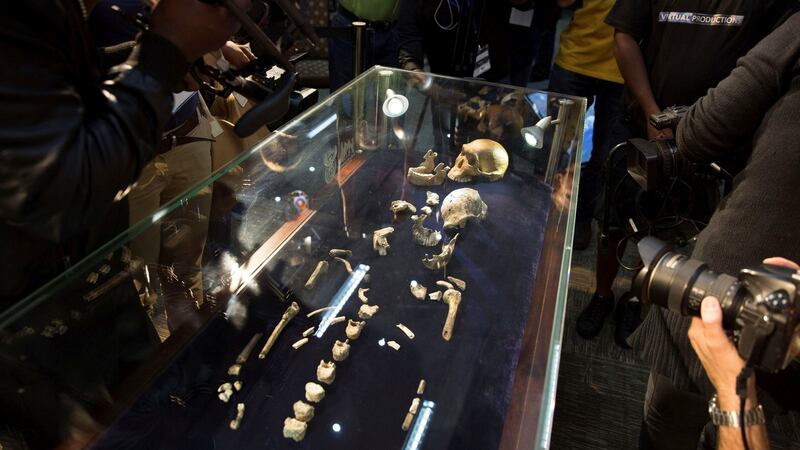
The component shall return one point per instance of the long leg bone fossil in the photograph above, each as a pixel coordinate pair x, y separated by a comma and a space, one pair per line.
380, 240
441, 260
424, 236
453, 299
291, 311
321, 268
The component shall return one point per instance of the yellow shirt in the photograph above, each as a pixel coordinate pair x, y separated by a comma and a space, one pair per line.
587, 45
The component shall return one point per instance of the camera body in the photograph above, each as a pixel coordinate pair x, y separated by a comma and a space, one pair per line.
761, 306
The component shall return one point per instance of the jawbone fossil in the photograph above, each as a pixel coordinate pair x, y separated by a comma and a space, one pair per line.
424, 236
441, 260
428, 179
462, 205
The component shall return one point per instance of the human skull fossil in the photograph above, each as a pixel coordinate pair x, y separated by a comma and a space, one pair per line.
483, 158
462, 205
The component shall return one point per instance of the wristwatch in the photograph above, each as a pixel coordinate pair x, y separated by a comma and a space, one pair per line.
720, 418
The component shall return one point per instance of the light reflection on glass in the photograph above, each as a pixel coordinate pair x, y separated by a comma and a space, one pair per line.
382, 342
416, 436
340, 298
277, 199
336, 428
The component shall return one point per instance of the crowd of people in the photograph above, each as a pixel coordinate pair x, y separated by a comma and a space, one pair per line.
92, 142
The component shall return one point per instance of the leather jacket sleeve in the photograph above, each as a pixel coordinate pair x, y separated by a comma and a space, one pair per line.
70, 142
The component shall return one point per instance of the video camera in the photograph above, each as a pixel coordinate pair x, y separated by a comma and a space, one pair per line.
761, 306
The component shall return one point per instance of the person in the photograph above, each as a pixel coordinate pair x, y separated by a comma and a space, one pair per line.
654, 44
751, 112
73, 138
380, 17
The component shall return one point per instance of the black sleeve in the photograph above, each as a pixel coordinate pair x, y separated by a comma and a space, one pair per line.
69, 144
411, 38
633, 17
729, 115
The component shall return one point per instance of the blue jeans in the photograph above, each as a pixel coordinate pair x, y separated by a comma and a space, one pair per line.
381, 49
608, 129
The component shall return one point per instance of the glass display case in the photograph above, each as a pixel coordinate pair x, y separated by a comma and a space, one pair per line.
387, 270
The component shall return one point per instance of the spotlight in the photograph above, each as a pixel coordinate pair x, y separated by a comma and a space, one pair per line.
395, 105
534, 135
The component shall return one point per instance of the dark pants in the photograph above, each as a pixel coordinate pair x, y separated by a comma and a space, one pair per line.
608, 129
381, 50
526, 45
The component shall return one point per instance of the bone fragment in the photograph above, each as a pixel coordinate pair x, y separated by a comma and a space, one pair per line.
441, 260
444, 284
394, 345
400, 206
294, 429
367, 311
300, 343
303, 411
341, 350
435, 296
353, 330
338, 319
380, 240
418, 290
234, 370
461, 284
426, 210
321, 268
410, 334
308, 332
326, 372
435, 178
318, 311
314, 392
424, 236
428, 162
239, 416
432, 198
237, 385
362, 295
248, 349
339, 253
412, 411
291, 311
421, 387
346, 263
453, 298
414, 406
225, 391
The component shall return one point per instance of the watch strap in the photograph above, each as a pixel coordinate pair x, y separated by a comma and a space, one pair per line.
753, 416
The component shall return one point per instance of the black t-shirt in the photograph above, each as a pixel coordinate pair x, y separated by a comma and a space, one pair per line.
691, 45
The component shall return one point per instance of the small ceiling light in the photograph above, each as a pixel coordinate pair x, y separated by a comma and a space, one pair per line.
534, 135
395, 105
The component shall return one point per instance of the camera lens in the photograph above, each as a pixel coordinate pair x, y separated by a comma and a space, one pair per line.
680, 284
669, 157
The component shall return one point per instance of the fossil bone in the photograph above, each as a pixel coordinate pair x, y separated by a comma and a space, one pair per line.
410, 334
462, 205
380, 240
341, 350
346, 263
394, 345
418, 290
421, 387
303, 411
428, 162
300, 343
353, 330
314, 392
290, 312
362, 295
337, 252
321, 268
444, 284
428, 179
234, 370
225, 391
424, 236
453, 299
237, 385
244, 354
461, 284
441, 260
481, 158
426, 210
435, 296
400, 206
318, 311
294, 429
412, 411
326, 372
239, 416
308, 332
338, 319
431, 198
367, 311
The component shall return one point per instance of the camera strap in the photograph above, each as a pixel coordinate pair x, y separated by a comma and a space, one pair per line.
741, 391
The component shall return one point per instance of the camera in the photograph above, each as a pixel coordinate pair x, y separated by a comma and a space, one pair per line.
760, 307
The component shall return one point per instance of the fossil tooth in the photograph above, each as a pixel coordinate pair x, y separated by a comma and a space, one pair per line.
353, 330
326, 372
367, 311
418, 290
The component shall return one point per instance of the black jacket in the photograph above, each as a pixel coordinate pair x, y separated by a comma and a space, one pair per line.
71, 137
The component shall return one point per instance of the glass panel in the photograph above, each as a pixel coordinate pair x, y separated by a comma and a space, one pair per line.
193, 330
